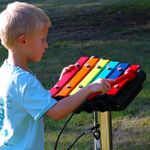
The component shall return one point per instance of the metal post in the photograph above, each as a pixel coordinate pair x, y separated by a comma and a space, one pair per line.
106, 130
95, 116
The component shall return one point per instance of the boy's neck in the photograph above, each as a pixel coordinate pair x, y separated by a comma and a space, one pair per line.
16, 59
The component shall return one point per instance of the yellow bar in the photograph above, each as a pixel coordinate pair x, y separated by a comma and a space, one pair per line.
91, 75
106, 130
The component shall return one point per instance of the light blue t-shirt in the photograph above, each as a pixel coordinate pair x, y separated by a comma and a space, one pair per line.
23, 102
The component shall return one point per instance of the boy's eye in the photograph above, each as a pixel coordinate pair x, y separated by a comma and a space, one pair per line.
43, 39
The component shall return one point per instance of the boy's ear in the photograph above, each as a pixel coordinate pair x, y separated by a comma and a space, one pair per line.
22, 39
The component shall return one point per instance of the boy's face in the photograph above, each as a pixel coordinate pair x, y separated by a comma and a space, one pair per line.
36, 45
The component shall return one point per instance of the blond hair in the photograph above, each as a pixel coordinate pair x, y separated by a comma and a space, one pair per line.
20, 18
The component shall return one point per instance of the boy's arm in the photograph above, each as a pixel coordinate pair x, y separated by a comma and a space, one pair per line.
70, 103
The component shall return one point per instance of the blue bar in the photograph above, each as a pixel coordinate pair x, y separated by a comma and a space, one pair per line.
109, 68
119, 70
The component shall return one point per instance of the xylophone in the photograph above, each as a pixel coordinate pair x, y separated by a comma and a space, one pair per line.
129, 79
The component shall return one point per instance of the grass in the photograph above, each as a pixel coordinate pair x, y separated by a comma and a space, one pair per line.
116, 30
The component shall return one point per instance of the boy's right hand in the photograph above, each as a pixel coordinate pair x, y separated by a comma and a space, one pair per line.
100, 85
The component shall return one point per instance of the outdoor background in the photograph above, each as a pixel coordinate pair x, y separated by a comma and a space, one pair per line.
113, 29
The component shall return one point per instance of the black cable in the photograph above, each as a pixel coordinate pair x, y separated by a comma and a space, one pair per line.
61, 131
85, 132
76, 140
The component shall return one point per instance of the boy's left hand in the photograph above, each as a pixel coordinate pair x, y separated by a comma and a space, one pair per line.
66, 69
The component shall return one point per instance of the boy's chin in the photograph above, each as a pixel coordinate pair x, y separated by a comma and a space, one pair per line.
35, 60
38, 60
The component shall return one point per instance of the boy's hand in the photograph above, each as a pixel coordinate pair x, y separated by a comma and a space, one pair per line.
100, 85
66, 69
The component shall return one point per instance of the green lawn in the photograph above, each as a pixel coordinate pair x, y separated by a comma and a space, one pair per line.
116, 30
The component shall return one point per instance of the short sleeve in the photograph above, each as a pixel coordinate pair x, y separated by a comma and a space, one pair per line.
34, 97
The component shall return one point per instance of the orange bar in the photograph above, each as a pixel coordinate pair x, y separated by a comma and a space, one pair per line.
78, 77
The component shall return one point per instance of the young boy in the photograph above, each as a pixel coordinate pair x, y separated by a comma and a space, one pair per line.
23, 100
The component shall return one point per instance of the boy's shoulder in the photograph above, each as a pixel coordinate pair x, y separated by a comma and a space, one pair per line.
15, 74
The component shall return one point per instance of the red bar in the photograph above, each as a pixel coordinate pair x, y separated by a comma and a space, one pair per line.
120, 81
117, 87
68, 76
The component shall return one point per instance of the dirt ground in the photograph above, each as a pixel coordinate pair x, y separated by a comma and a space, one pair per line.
94, 24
